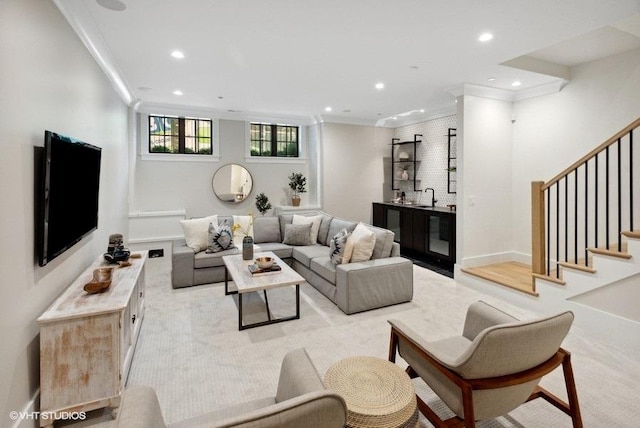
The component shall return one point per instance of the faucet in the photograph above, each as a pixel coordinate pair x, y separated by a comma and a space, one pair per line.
402, 197
433, 196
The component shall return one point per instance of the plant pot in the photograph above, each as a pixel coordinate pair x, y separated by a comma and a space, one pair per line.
295, 201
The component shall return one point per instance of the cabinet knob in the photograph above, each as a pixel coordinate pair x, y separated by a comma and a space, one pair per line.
133, 319
141, 294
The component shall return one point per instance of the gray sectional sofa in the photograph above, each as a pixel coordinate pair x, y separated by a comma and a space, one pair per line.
386, 279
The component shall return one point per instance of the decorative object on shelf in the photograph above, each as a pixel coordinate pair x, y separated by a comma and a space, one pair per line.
297, 183
452, 166
405, 174
262, 203
404, 156
247, 248
115, 250
100, 282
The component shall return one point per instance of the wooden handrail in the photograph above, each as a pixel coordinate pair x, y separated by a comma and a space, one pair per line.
633, 125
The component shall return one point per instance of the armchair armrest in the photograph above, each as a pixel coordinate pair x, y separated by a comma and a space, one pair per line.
298, 376
482, 315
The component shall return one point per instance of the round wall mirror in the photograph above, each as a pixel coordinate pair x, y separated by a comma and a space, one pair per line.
232, 183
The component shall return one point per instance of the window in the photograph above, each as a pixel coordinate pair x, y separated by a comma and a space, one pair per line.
169, 134
274, 140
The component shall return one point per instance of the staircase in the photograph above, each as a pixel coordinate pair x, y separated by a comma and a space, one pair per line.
586, 243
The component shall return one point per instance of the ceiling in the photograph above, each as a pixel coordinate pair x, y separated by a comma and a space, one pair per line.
293, 59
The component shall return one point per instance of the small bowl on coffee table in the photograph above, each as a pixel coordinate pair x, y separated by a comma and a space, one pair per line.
265, 262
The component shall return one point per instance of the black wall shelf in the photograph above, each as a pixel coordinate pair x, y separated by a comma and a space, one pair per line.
410, 165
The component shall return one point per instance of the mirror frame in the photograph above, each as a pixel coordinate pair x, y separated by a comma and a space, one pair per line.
232, 197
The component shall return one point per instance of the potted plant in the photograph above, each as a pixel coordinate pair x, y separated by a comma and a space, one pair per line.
262, 203
297, 183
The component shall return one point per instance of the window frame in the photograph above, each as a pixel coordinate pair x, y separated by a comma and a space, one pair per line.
301, 158
146, 154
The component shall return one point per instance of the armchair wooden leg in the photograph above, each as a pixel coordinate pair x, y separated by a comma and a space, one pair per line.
393, 346
572, 393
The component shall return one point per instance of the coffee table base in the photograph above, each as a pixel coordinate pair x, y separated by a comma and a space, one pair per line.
266, 301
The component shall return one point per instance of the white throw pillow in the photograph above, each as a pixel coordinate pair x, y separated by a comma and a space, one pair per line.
196, 232
364, 241
245, 229
315, 224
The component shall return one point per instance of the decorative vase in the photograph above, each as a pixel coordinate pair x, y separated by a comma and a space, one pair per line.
405, 175
247, 248
295, 201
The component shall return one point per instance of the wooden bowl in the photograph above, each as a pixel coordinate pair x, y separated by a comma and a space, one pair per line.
95, 287
265, 262
102, 274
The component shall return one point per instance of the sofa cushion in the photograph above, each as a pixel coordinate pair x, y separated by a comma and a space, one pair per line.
306, 253
384, 242
281, 250
266, 229
364, 241
323, 232
337, 246
324, 267
196, 231
297, 234
337, 225
204, 260
220, 238
314, 220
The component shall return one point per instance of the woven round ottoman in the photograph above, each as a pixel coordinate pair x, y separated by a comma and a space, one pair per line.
378, 393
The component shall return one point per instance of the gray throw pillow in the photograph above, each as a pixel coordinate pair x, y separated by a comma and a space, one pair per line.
337, 246
220, 238
297, 234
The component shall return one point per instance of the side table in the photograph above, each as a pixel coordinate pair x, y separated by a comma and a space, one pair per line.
377, 392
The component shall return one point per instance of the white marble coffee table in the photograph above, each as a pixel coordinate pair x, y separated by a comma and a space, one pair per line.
246, 283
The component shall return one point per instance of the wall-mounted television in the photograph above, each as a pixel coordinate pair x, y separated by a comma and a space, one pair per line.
67, 184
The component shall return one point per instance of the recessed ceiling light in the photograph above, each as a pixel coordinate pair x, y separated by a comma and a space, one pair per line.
485, 37
491, 79
421, 110
115, 5
221, 98
395, 118
328, 109
177, 92
177, 54
516, 83
379, 85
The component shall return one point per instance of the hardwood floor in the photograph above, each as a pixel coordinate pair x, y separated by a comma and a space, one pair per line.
509, 274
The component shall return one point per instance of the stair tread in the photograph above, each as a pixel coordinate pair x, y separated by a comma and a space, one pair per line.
549, 278
635, 234
575, 266
513, 275
611, 253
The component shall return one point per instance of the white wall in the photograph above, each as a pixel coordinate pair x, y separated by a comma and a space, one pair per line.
553, 131
485, 174
177, 185
48, 80
352, 168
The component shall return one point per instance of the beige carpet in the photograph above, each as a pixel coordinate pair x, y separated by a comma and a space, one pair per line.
191, 352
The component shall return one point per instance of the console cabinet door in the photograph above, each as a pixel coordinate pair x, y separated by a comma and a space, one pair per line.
439, 235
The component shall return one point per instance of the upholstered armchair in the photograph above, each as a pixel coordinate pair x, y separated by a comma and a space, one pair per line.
300, 401
492, 368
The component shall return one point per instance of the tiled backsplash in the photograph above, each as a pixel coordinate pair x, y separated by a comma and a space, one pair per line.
432, 154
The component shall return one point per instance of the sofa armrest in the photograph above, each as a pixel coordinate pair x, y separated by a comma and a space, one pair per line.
372, 284
182, 264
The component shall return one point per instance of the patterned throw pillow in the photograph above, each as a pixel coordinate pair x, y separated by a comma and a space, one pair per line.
220, 238
297, 234
337, 246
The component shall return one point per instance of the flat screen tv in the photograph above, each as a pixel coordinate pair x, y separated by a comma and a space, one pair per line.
66, 194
